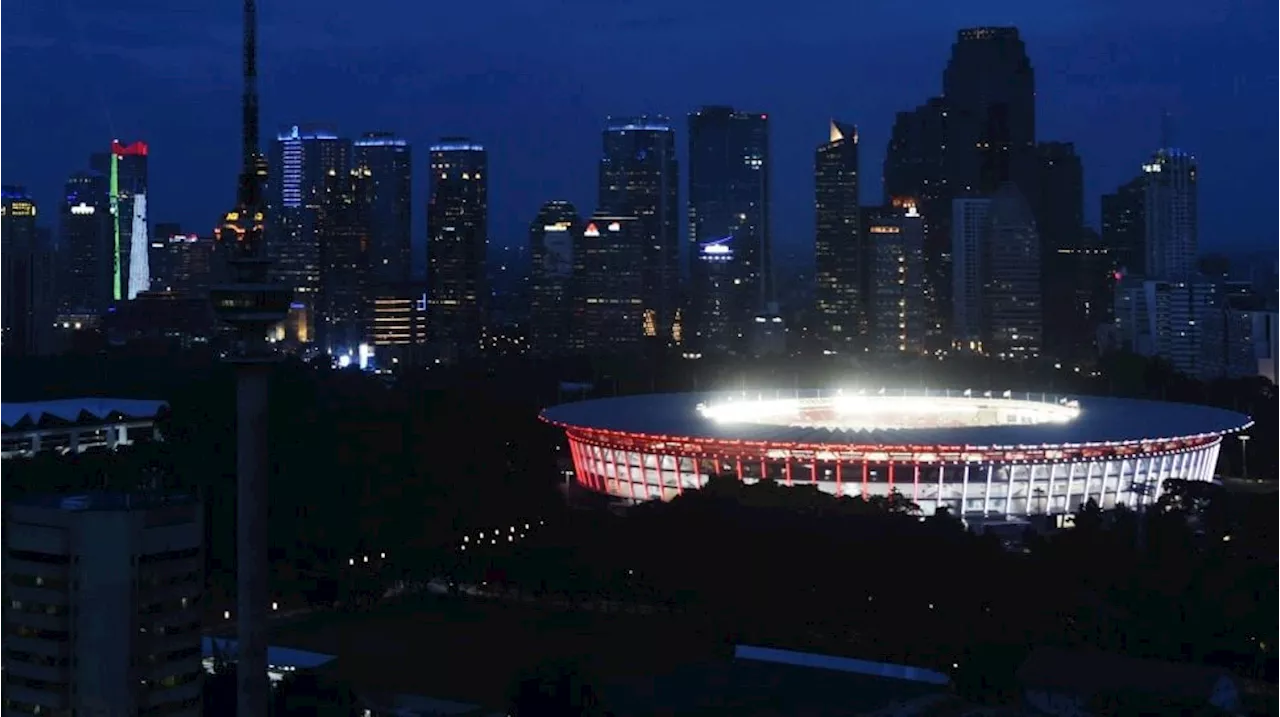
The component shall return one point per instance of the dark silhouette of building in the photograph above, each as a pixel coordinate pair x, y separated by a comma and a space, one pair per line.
989, 86
915, 171
457, 244
388, 161
26, 252
729, 166
609, 315
639, 177
1057, 201
895, 300
85, 246
1012, 320
840, 252
344, 225
1124, 226
1171, 211
555, 245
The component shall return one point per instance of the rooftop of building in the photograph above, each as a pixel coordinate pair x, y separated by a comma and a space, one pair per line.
101, 501
77, 410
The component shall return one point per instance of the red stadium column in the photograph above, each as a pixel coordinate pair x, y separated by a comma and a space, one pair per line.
617, 475
764, 471
739, 464
865, 479
813, 468
679, 478
631, 477
891, 477
578, 473
788, 470
915, 482
839, 479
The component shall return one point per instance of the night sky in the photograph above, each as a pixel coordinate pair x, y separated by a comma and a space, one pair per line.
534, 82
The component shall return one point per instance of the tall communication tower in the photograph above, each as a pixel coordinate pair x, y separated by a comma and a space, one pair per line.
251, 305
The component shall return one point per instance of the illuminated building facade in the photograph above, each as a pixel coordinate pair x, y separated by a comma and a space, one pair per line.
87, 242
182, 263
729, 167
23, 262
302, 158
895, 300
1171, 215
639, 177
103, 600
716, 287
457, 245
125, 168
344, 226
840, 271
980, 457
555, 245
968, 228
399, 330
609, 316
388, 161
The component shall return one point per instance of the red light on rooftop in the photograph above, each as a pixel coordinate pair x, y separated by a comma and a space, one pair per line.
137, 149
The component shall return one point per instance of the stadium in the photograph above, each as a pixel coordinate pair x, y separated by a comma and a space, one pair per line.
979, 455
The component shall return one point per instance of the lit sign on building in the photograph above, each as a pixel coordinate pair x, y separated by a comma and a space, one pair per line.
591, 231
717, 249
884, 230
82, 209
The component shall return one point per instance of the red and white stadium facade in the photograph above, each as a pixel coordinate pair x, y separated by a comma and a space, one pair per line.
976, 455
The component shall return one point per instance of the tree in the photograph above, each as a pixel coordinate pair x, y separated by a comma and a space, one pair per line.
556, 689
313, 695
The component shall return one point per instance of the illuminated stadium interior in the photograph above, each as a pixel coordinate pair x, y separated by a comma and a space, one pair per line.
838, 412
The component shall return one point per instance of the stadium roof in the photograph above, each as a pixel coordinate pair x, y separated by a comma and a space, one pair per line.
73, 410
1101, 420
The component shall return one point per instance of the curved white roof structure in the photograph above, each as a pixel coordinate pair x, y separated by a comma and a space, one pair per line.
72, 410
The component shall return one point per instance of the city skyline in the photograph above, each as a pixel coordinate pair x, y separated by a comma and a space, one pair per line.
1099, 104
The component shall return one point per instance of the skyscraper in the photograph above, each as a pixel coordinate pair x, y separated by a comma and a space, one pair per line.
989, 87
555, 244
968, 231
86, 246
301, 160
729, 170
915, 171
1012, 319
104, 604
1057, 200
457, 244
639, 178
610, 309
344, 226
840, 252
388, 161
125, 167
1171, 215
1124, 226
895, 296
20, 258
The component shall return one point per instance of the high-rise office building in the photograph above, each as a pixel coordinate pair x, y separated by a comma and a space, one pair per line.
555, 245
160, 260
915, 172
457, 245
1057, 201
344, 227
1171, 215
86, 243
302, 159
183, 262
840, 272
388, 160
125, 167
968, 229
1124, 226
1166, 319
1012, 319
639, 178
23, 258
729, 167
1087, 284
103, 600
989, 86
610, 308
897, 314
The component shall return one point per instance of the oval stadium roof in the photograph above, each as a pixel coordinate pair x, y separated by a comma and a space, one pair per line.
70, 409
1101, 420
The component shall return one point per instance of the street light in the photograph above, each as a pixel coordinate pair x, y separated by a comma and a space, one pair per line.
1244, 455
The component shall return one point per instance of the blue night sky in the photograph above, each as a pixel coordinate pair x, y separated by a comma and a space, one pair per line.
534, 82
